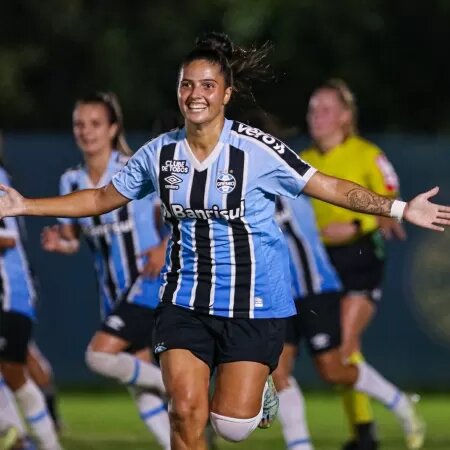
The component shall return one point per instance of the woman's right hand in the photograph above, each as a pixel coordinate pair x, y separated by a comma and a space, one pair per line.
12, 203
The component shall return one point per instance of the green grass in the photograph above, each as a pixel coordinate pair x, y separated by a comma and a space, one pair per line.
109, 421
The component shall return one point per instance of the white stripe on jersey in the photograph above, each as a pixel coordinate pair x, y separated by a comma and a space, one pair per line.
27, 271
6, 301
308, 174
297, 263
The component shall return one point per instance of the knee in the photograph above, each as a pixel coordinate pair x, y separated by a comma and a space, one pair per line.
14, 375
232, 429
332, 373
186, 412
99, 362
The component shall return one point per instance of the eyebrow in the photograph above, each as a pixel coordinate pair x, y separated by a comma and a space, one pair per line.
202, 80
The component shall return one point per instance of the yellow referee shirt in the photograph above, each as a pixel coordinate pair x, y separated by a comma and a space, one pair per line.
356, 160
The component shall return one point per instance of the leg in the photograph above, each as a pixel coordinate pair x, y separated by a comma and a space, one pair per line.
41, 372
292, 405
106, 352
357, 313
236, 407
152, 409
186, 378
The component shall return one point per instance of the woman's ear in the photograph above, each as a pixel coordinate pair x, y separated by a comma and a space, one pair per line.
227, 96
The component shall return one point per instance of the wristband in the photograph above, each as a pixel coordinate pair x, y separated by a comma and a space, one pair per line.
397, 209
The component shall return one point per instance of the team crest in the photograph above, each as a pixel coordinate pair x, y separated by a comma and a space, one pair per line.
225, 183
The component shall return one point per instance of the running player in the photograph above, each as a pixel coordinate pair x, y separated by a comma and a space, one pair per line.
225, 294
17, 295
317, 290
353, 239
129, 253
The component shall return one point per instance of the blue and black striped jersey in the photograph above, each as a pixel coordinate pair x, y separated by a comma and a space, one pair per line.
17, 292
311, 270
117, 240
226, 255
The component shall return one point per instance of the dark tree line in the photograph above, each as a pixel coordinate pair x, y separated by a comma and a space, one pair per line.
393, 53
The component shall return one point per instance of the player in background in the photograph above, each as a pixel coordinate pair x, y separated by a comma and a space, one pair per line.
17, 314
128, 250
225, 292
354, 240
317, 290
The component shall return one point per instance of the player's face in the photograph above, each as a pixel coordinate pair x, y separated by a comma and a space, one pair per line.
326, 115
91, 128
202, 94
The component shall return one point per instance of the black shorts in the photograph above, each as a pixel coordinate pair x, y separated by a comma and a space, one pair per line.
360, 265
132, 323
216, 340
318, 321
15, 334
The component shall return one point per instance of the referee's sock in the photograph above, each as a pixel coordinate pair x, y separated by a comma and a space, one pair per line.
32, 403
292, 417
153, 413
8, 407
126, 368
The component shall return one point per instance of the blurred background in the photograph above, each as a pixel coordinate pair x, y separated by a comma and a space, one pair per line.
393, 54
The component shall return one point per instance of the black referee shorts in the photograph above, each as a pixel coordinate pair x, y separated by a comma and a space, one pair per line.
318, 322
132, 323
217, 340
15, 334
360, 265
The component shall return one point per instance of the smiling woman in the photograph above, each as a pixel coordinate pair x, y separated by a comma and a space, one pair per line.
225, 290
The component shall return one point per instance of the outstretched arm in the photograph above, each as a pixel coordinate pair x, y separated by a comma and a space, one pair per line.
419, 211
88, 202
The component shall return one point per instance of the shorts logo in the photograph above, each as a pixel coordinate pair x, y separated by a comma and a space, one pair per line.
320, 341
173, 181
225, 183
175, 166
115, 322
159, 348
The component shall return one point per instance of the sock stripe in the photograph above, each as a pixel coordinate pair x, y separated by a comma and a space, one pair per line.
153, 412
298, 442
37, 417
137, 371
395, 400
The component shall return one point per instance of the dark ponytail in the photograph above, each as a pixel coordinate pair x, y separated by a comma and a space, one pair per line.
240, 67
110, 101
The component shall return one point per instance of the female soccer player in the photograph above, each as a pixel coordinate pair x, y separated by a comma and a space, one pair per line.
225, 292
353, 239
317, 290
17, 315
129, 253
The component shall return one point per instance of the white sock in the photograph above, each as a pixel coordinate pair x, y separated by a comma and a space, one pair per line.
32, 403
126, 368
292, 417
153, 413
8, 408
375, 385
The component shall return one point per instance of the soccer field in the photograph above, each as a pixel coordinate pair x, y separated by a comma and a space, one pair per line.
109, 421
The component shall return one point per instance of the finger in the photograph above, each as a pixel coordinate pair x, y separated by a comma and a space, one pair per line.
445, 222
431, 192
5, 188
443, 209
435, 227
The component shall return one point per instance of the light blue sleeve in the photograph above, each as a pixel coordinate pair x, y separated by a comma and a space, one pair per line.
66, 187
136, 179
4, 178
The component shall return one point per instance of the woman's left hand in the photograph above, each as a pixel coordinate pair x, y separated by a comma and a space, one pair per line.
421, 212
156, 257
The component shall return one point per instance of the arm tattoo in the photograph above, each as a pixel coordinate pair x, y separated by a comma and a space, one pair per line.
365, 201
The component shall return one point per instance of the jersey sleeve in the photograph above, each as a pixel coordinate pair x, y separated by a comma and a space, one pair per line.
382, 177
288, 175
135, 179
67, 186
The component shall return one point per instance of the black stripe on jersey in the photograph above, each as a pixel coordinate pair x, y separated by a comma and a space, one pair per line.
202, 242
130, 245
104, 249
2, 223
241, 244
167, 154
274, 144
